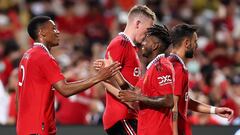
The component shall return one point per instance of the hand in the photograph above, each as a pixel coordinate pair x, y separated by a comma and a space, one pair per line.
128, 96
101, 63
109, 71
224, 112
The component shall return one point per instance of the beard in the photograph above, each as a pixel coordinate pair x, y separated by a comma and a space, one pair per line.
146, 52
189, 53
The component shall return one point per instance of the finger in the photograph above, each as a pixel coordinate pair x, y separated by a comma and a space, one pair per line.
100, 60
115, 71
97, 63
110, 57
230, 117
113, 65
97, 67
121, 94
115, 68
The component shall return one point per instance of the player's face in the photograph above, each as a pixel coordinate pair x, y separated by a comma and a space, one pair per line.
148, 45
52, 34
142, 29
191, 50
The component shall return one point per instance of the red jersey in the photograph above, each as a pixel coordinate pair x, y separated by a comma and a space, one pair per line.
158, 81
121, 49
38, 71
181, 90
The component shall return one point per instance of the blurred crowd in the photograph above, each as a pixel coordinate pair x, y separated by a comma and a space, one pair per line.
87, 26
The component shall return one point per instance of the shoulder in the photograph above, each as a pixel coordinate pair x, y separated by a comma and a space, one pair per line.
166, 65
35, 53
41, 56
161, 64
166, 62
119, 41
175, 63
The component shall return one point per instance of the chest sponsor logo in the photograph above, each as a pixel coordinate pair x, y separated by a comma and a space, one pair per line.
136, 72
163, 80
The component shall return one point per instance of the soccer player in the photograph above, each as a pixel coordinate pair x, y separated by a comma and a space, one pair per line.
184, 40
155, 95
116, 118
39, 76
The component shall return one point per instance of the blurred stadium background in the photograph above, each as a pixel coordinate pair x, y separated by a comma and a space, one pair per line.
86, 28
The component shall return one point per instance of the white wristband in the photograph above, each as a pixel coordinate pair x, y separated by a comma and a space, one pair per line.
213, 110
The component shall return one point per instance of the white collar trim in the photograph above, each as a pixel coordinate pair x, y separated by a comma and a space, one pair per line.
180, 59
155, 59
44, 47
130, 40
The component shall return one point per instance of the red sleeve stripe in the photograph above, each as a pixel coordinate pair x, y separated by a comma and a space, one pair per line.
124, 40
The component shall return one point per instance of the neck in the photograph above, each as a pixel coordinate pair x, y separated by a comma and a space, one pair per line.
129, 33
45, 44
180, 53
48, 47
152, 56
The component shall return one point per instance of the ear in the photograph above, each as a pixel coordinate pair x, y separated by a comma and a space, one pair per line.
155, 46
186, 42
137, 23
42, 33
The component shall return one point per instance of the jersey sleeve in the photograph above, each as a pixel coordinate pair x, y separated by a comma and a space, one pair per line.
50, 70
164, 80
117, 50
178, 87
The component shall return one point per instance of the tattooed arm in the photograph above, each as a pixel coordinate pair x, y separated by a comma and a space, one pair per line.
175, 115
150, 102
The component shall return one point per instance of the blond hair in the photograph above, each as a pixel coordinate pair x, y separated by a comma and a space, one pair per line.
141, 10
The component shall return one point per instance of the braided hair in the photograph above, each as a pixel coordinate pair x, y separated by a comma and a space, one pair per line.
162, 33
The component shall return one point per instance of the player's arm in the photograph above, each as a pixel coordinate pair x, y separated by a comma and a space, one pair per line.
155, 102
115, 91
151, 102
175, 115
71, 88
204, 108
121, 81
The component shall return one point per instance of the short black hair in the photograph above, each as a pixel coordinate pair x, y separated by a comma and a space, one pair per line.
34, 25
181, 31
162, 33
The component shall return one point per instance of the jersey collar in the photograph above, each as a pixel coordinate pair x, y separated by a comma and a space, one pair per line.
44, 47
179, 59
130, 40
155, 59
